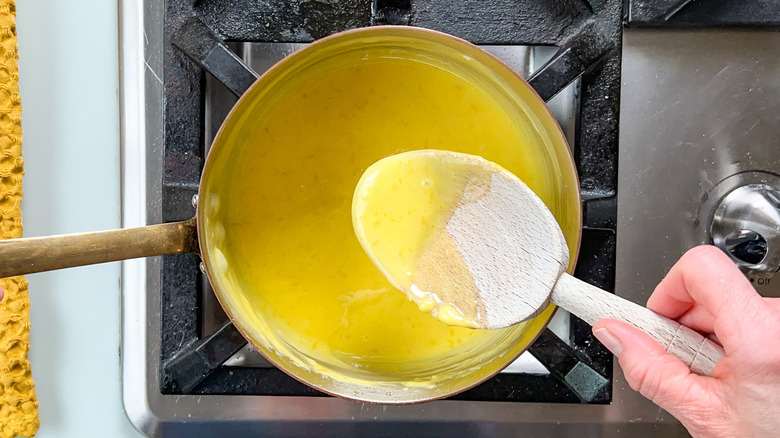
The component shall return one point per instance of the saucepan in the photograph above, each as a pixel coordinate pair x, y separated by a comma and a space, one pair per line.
273, 225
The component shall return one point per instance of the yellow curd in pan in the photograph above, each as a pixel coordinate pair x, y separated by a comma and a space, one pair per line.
280, 230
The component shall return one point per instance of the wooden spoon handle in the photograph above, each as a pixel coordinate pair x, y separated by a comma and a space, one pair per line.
38, 254
592, 304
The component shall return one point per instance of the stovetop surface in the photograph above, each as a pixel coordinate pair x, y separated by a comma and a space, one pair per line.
177, 358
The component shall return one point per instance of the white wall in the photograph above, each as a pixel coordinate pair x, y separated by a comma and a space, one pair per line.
69, 87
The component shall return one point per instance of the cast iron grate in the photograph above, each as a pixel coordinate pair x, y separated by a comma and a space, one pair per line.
588, 35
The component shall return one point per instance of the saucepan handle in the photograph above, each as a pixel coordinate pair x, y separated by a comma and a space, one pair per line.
38, 254
592, 304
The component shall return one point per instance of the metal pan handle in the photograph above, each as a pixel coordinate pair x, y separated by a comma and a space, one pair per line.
39, 254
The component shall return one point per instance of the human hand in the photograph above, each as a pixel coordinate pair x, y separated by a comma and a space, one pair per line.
706, 292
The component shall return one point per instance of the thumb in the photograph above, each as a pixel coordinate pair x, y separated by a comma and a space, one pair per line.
659, 376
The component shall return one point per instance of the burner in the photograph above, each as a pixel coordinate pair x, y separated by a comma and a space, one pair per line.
579, 369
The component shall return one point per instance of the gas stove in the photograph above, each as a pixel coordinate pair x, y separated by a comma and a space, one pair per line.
702, 120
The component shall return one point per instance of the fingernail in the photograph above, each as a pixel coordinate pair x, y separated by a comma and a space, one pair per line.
609, 340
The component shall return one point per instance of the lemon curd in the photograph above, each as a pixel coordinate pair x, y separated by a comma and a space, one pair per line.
400, 211
282, 237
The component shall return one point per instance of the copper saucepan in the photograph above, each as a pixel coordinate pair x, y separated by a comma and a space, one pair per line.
546, 151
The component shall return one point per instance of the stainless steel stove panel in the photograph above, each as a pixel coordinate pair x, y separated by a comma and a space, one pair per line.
700, 117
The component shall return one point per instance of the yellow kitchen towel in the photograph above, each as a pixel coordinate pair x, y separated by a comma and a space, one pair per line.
18, 403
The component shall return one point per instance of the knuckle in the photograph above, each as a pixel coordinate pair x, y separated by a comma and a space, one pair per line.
651, 385
656, 379
641, 379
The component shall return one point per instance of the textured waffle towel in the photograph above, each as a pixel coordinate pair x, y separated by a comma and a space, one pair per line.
18, 404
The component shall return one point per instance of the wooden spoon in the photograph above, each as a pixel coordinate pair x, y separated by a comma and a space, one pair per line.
487, 252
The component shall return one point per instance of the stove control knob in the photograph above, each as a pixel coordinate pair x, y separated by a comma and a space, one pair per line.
746, 225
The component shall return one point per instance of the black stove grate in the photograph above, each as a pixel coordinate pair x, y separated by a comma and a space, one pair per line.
588, 35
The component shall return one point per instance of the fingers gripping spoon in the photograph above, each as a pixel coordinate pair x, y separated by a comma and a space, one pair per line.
474, 246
